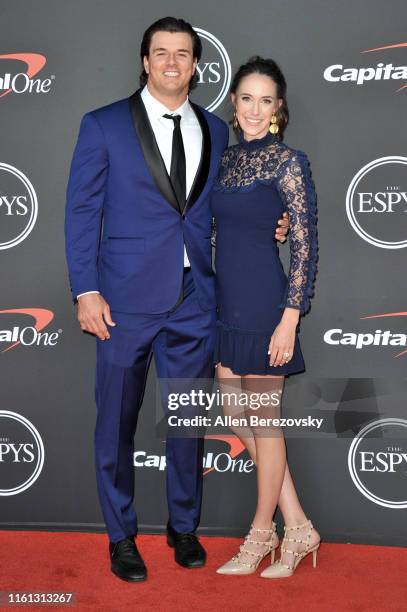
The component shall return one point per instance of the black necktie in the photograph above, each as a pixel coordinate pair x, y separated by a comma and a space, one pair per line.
178, 173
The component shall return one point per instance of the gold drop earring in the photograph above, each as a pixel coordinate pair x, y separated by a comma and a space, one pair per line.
274, 125
235, 121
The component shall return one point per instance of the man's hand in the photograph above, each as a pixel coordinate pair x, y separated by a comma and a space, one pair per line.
281, 232
93, 314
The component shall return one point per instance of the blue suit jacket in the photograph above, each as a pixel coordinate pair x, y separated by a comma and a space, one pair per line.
124, 230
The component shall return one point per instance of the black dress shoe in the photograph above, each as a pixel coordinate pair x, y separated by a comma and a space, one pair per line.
188, 551
127, 563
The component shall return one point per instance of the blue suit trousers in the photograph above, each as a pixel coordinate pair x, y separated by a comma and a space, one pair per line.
182, 342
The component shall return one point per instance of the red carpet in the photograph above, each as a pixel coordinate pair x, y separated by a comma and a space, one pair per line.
347, 578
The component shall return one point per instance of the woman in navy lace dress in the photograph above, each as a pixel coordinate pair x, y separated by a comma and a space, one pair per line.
259, 306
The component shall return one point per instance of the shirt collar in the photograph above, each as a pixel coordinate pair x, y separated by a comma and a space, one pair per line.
157, 109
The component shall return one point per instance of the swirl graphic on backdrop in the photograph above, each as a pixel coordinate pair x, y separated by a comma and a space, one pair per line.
386, 48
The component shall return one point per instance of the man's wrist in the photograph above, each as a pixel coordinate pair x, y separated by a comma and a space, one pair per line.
86, 293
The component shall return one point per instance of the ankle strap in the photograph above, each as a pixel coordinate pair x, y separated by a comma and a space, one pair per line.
307, 524
272, 530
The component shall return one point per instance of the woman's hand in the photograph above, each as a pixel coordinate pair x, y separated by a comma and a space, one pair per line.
283, 225
281, 347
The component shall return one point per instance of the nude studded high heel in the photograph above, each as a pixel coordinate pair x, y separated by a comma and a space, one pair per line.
237, 566
281, 570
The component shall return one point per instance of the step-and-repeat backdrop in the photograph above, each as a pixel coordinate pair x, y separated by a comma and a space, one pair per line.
346, 67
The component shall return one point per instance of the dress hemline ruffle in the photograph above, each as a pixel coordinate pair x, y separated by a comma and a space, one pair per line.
245, 352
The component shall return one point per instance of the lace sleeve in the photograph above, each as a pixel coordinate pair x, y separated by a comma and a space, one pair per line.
298, 192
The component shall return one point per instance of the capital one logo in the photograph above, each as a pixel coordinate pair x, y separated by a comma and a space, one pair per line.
15, 332
21, 453
18, 206
374, 339
214, 71
376, 202
377, 462
14, 79
339, 73
224, 461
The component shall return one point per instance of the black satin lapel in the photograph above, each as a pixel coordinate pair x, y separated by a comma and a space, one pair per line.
150, 149
203, 169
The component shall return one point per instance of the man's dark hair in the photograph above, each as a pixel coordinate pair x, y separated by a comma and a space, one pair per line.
170, 24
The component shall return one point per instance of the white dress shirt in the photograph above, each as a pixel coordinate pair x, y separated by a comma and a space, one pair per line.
163, 128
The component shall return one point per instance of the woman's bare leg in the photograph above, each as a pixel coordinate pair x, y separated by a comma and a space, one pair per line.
262, 447
288, 501
230, 383
269, 444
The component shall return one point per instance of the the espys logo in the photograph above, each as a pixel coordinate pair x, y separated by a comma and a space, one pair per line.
376, 202
377, 462
224, 461
21, 453
18, 206
18, 334
214, 71
373, 339
338, 73
13, 79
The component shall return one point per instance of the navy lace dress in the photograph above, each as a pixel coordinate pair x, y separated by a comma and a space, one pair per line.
258, 180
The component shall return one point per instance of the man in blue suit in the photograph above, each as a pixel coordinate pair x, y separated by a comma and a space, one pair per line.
138, 244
